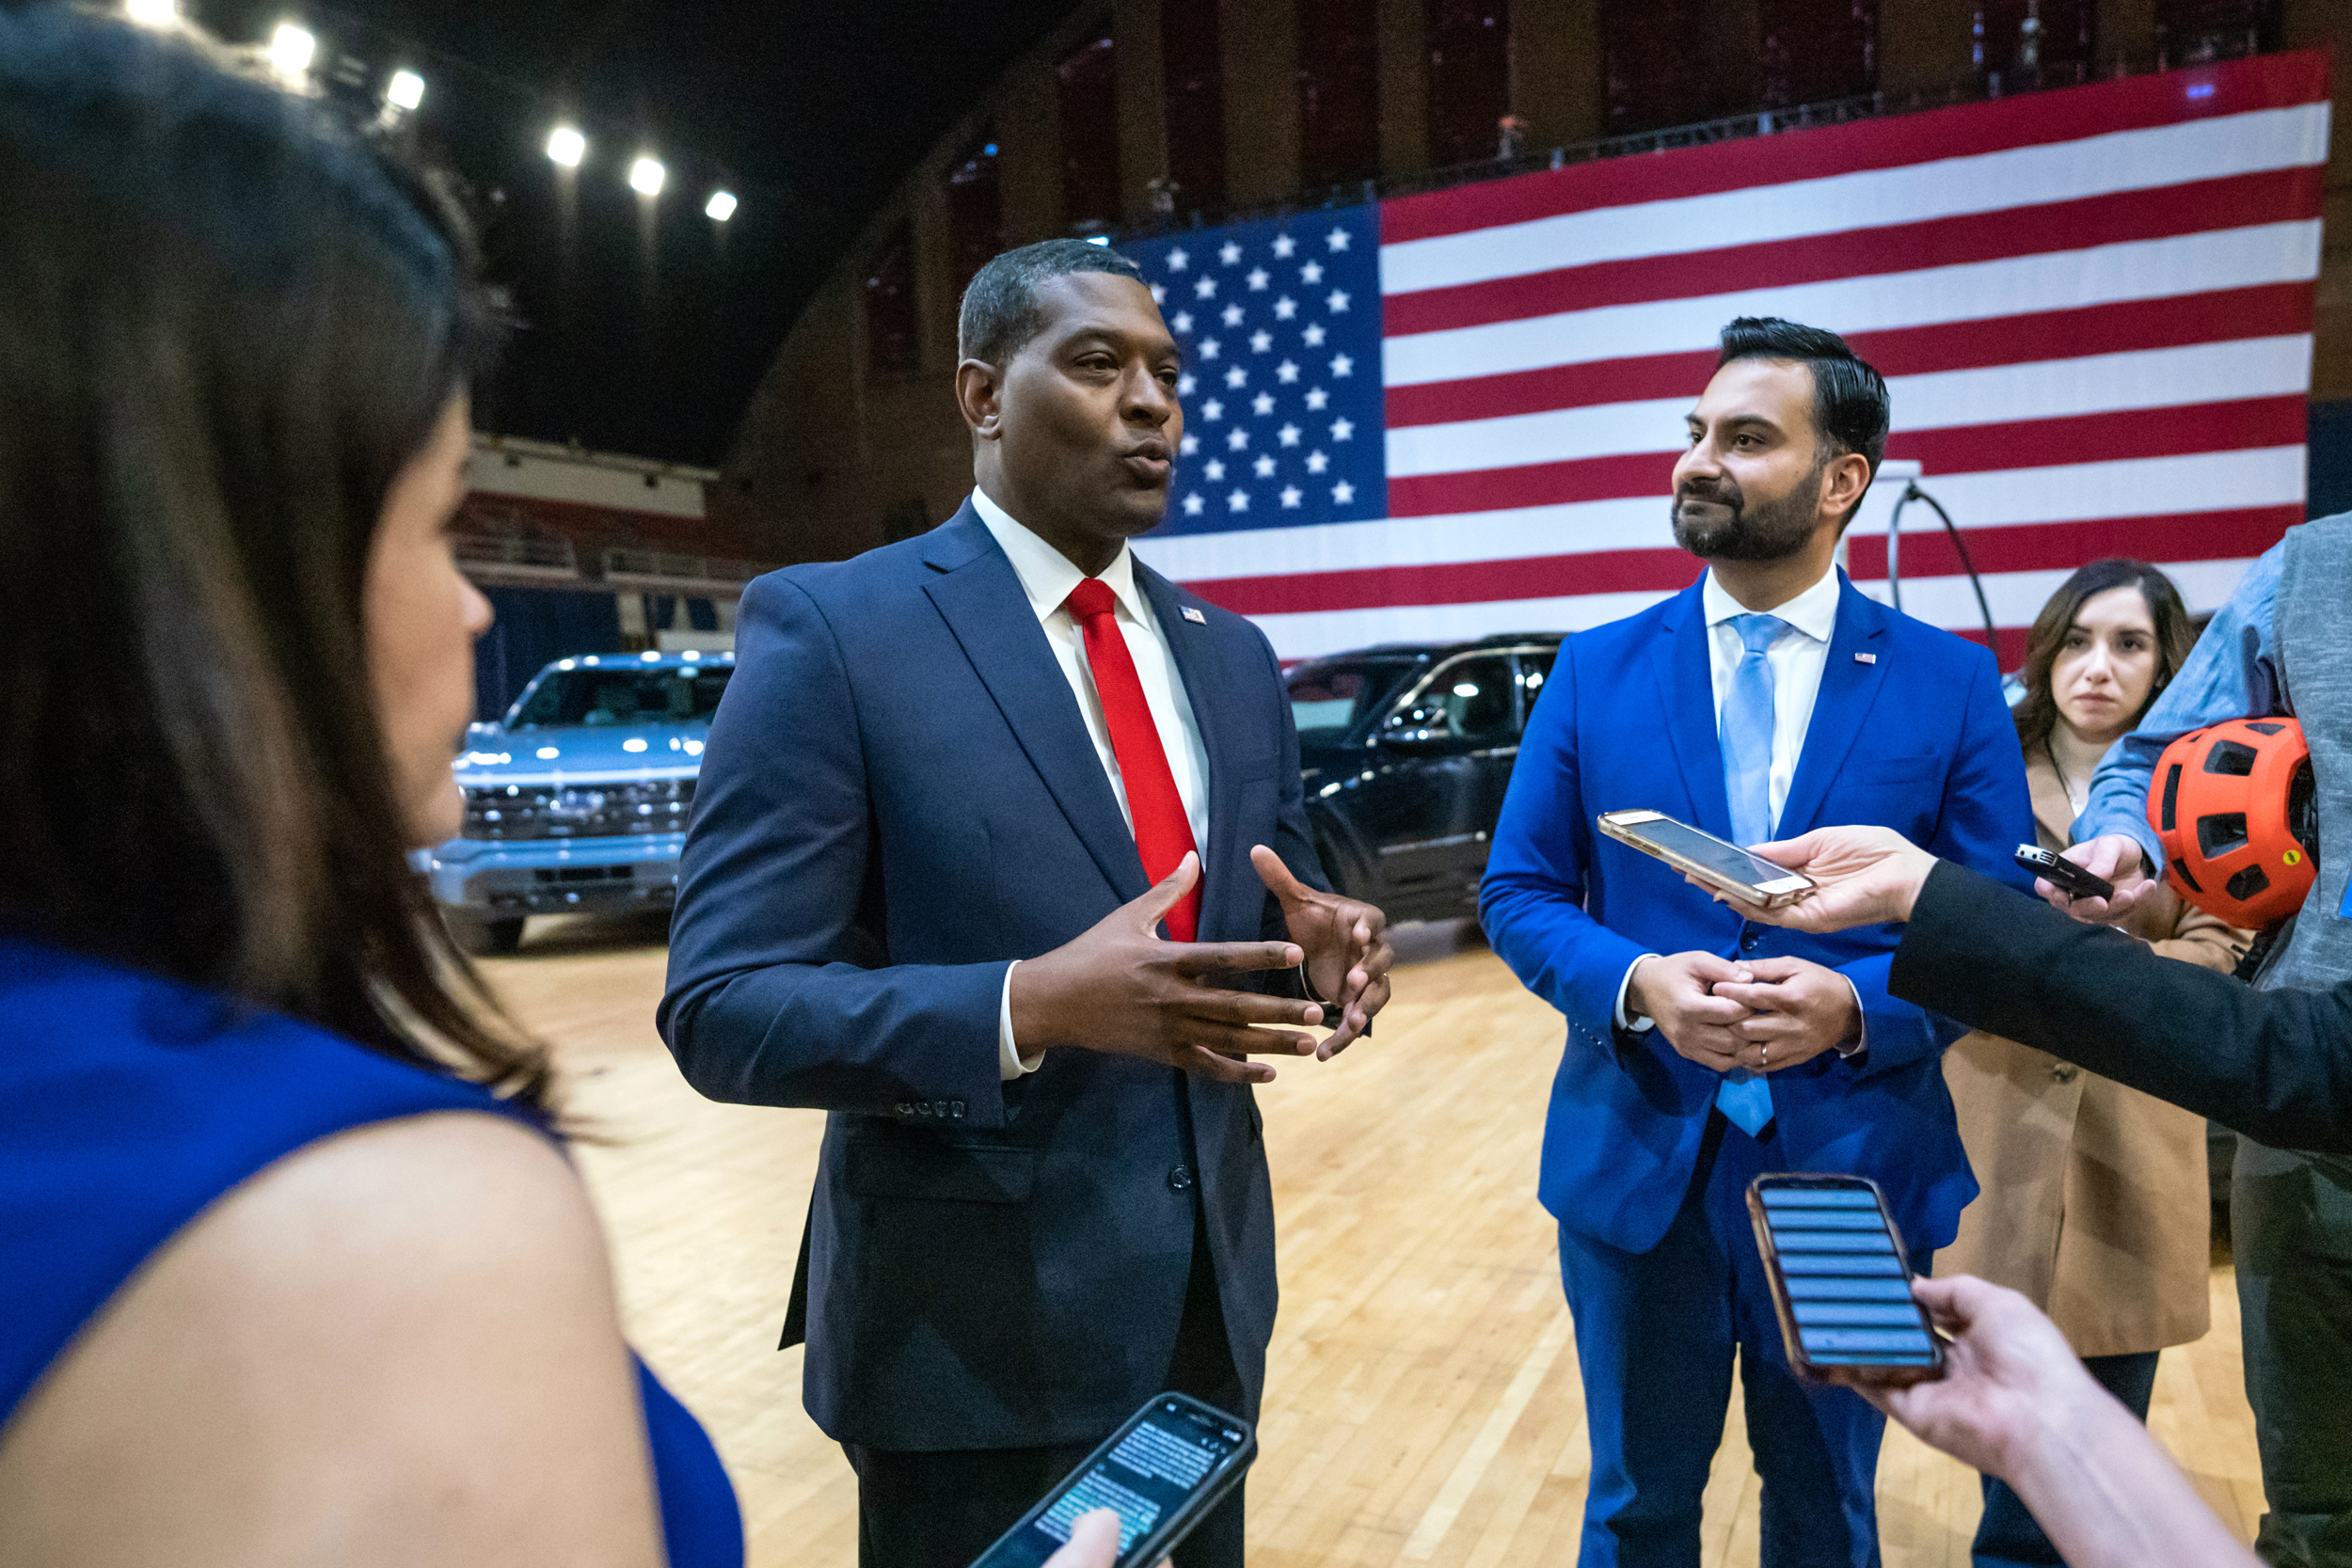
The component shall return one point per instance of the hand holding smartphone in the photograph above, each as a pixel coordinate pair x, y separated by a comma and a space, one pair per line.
1161, 1472
2063, 874
1841, 1282
1715, 862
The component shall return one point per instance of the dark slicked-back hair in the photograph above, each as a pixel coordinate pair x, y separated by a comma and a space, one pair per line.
1851, 407
1000, 311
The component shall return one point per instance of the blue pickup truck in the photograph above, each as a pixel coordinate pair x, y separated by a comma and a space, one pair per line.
576, 801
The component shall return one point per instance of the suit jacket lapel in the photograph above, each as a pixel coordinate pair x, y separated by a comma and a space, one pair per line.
981, 598
1686, 695
1203, 675
1848, 687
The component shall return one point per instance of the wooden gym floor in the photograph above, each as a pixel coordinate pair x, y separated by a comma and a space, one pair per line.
1423, 1403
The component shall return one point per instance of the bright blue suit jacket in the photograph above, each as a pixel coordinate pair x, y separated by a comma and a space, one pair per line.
1912, 735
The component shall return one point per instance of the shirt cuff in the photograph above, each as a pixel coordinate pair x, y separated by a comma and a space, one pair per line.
1637, 1025
1862, 1038
1011, 1064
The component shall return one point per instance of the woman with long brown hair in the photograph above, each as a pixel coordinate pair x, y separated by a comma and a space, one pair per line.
293, 1267
2094, 1202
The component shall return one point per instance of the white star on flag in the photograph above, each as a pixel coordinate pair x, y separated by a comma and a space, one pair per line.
1236, 377
1285, 308
1184, 385
1312, 272
1189, 446
1341, 430
1260, 340
1214, 469
1229, 253
1213, 410
1265, 467
1192, 504
1313, 335
1206, 288
1232, 315
1283, 246
1159, 293
1343, 492
1337, 301
1316, 463
1209, 348
1336, 239
1286, 373
1291, 496
1288, 435
1237, 501
1343, 365
1262, 405
1316, 397
1258, 279
1178, 261
1182, 322
1237, 438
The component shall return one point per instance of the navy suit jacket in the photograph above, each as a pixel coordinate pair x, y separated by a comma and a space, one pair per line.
901, 796
1917, 740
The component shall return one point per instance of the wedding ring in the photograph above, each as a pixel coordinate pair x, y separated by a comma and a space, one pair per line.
1763, 1055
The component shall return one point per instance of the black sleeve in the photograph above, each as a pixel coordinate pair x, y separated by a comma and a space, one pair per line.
2275, 1065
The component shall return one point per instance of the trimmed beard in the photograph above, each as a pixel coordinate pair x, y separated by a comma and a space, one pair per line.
1769, 531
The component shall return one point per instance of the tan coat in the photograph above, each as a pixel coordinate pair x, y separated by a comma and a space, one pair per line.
2095, 1204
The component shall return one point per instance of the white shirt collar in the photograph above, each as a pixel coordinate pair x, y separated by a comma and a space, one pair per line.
1813, 612
1047, 575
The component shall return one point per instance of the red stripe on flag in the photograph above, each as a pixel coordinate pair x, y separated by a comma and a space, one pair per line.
2034, 548
2122, 436
2171, 431
2269, 311
2063, 547
2239, 86
2119, 218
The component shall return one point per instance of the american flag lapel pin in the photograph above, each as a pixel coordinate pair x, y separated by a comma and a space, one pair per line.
1195, 616
1865, 659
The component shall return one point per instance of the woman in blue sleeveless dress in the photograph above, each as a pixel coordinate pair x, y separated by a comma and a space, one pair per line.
294, 1266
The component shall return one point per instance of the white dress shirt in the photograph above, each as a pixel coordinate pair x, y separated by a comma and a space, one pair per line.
1047, 577
1796, 661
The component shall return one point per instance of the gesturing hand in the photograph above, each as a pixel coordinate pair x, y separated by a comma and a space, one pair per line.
2115, 858
1674, 991
1865, 876
1797, 1010
1346, 945
1120, 990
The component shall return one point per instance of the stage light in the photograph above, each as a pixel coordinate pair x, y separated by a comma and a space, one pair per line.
721, 207
152, 13
406, 90
646, 175
566, 146
290, 49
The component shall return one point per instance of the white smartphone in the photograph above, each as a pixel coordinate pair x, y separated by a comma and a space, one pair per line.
1718, 863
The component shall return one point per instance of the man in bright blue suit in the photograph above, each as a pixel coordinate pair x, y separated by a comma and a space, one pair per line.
1703, 1049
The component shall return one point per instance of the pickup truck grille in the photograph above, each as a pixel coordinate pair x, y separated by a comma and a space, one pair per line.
509, 812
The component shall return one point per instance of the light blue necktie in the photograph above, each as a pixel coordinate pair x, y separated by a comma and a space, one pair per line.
1746, 734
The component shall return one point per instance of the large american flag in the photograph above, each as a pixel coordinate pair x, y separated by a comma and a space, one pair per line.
1456, 414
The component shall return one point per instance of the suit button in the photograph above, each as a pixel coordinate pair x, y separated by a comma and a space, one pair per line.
906, 1107
2065, 1073
956, 1108
1751, 940
1179, 1179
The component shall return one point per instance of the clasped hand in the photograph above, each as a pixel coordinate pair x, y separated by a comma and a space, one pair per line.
1760, 1015
1121, 987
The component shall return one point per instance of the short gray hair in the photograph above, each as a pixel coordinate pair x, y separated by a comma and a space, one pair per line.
1000, 311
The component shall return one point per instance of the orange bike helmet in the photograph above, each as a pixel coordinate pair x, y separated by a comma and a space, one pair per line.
2232, 804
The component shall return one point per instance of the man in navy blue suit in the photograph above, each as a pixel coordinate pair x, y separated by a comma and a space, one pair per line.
957, 788
1704, 1049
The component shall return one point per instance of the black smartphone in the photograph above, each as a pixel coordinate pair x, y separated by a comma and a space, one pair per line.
1841, 1281
2063, 874
1162, 1472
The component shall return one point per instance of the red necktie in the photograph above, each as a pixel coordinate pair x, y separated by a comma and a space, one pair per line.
1163, 832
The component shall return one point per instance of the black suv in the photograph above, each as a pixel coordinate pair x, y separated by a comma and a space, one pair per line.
1405, 750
